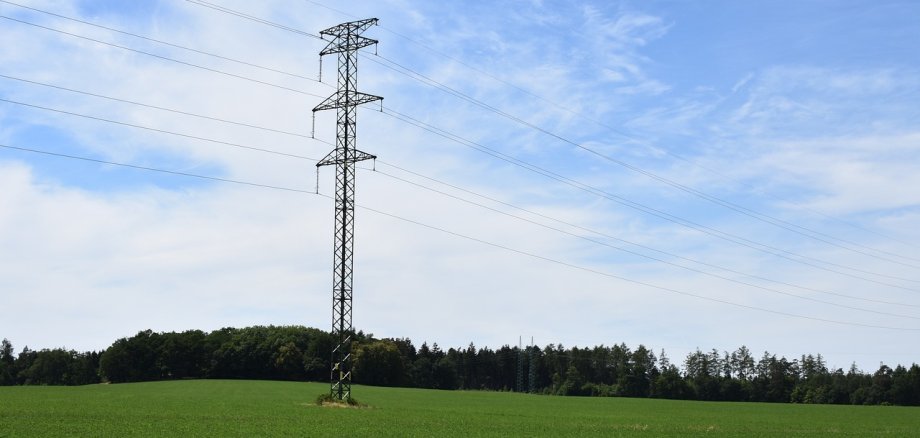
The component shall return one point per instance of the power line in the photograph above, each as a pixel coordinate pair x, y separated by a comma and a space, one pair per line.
440, 192
259, 149
133, 125
480, 205
146, 105
638, 254
201, 52
727, 204
780, 223
218, 179
630, 137
165, 58
614, 276
478, 195
491, 76
649, 145
767, 249
162, 131
474, 239
253, 18
154, 169
335, 10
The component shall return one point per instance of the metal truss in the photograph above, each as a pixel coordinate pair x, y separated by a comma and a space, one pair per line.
345, 41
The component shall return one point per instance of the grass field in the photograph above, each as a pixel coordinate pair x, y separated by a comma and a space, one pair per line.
259, 408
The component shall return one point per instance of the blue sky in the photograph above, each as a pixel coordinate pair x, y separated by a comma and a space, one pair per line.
802, 114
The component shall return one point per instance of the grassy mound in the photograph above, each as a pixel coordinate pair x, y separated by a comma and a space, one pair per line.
326, 399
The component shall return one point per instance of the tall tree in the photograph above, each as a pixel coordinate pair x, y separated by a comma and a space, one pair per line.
7, 362
743, 363
379, 363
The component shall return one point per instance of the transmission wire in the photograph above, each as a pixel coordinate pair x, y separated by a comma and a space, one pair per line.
780, 223
162, 42
464, 200
213, 70
638, 254
633, 138
727, 204
146, 105
609, 236
473, 239
641, 207
162, 131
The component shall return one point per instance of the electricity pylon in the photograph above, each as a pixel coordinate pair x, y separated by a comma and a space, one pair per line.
532, 367
346, 41
520, 367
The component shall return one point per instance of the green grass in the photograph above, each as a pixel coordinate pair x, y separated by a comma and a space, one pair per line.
258, 408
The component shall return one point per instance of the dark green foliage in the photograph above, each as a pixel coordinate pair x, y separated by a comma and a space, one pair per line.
47, 367
7, 362
670, 384
276, 353
301, 353
133, 359
327, 399
380, 363
184, 355
50, 367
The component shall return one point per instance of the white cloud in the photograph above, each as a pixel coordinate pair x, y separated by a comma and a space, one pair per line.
88, 264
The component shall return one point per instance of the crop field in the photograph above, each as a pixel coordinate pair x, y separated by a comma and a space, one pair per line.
265, 408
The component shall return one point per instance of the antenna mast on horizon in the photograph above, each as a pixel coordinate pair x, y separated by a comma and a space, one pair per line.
520, 366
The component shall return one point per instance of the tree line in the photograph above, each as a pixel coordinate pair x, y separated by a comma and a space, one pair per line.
302, 354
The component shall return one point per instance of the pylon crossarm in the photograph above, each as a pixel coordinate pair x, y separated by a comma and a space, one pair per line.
350, 27
336, 46
332, 158
342, 100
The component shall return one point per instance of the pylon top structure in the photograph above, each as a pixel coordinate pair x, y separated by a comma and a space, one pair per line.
345, 41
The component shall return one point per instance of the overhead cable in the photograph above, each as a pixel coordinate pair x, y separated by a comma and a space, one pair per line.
763, 217
789, 226
186, 48
165, 58
765, 248
605, 235
477, 240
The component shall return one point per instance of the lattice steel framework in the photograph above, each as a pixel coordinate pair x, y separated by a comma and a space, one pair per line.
345, 41
520, 366
532, 367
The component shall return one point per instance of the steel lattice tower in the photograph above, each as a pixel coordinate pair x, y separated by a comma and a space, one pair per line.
532, 367
345, 41
520, 367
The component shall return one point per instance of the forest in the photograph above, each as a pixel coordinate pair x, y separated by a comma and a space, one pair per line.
302, 354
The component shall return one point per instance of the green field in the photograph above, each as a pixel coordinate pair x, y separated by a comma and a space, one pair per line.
260, 408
